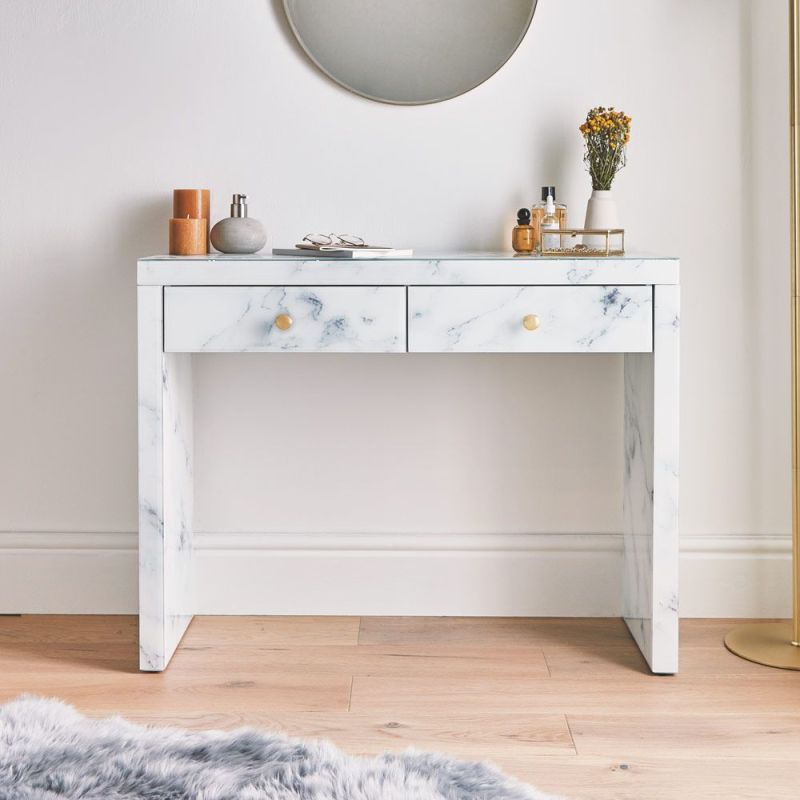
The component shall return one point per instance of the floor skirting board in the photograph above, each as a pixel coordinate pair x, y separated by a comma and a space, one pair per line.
393, 574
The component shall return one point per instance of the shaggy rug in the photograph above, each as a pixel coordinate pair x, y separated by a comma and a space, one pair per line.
49, 751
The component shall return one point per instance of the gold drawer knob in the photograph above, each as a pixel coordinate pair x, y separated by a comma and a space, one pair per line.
283, 322
531, 322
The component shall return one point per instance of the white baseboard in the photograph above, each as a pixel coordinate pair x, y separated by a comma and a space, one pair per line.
414, 574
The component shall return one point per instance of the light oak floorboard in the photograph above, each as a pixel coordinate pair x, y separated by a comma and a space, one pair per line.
316, 631
203, 630
656, 777
567, 705
636, 693
237, 692
709, 632
619, 660
388, 661
462, 735
486, 631
63, 629
762, 736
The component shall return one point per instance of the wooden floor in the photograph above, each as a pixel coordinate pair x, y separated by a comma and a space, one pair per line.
566, 705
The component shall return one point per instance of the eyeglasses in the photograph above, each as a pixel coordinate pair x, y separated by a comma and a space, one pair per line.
340, 239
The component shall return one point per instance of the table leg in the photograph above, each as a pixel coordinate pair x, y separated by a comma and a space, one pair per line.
166, 602
650, 496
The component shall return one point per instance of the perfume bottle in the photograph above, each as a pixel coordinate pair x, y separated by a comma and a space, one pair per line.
238, 233
549, 222
537, 212
522, 235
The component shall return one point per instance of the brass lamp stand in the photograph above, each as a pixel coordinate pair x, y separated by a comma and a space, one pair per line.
777, 644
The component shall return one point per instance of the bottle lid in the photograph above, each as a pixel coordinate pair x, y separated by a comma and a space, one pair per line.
550, 206
548, 190
524, 216
239, 205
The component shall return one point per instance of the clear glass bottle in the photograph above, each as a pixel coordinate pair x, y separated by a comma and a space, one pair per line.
549, 222
537, 212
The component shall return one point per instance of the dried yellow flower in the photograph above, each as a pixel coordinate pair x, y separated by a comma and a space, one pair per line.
606, 131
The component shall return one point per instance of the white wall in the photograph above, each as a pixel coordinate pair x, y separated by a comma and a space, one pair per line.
108, 106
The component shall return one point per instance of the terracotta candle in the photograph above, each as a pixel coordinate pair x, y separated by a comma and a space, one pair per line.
192, 203
188, 237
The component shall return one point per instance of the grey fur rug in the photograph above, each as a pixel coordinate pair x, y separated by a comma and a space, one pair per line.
48, 751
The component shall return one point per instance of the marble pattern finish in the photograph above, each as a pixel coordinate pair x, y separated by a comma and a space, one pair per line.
165, 488
445, 303
333, 319
423, 270
650, 489
481, 319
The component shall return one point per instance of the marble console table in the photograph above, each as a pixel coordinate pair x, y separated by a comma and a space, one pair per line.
449, 303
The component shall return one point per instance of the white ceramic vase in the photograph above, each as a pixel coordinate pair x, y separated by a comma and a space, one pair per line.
601, 212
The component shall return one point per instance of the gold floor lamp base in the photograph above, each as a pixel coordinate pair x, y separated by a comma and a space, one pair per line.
768, 643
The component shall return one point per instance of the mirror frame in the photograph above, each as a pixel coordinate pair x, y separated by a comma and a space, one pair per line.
352, 90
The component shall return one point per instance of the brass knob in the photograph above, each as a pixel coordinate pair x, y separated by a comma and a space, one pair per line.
530, 322
283, 322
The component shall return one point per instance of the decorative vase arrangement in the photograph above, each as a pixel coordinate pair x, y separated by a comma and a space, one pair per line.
606, 132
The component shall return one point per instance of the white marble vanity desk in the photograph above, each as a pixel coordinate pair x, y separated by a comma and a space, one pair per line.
470, 302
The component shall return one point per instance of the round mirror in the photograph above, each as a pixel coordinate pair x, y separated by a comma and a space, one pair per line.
409, 51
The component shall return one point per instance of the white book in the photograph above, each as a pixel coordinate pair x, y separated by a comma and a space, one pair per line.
336, 251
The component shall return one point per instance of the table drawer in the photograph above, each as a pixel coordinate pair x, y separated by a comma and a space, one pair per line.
336, 319
530, 319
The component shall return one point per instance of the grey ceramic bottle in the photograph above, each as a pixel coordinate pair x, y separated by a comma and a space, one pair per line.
238, 233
